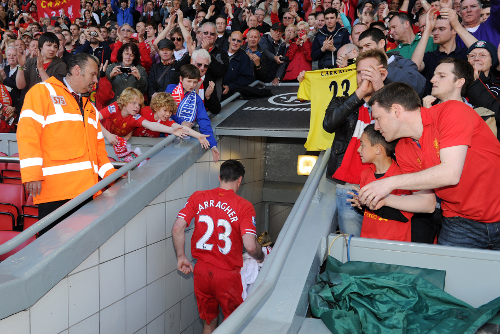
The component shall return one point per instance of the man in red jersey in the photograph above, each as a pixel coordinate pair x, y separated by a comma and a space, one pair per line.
447, 149
225, 222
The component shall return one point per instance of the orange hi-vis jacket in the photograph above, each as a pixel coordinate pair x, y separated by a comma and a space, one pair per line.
57, 145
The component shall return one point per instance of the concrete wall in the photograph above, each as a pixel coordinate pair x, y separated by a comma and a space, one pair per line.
131, 283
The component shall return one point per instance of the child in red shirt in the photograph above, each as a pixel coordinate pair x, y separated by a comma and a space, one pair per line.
122, 117
161, 108
384, 223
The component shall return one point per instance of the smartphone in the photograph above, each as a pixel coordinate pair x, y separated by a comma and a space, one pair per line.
125, 69
284, 58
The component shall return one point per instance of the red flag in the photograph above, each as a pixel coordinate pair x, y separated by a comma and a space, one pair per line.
51, 8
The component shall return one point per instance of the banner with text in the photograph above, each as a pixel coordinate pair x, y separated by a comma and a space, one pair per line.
54, 8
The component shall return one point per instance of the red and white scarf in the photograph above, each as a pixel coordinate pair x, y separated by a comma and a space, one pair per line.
178, 93
351, 167
201, 89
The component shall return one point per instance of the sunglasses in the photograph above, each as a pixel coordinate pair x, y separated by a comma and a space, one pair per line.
178, 39
208, 33
202, 65
236, 40
287, 17
126, 30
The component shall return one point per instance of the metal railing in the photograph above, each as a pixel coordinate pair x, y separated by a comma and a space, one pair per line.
234, 322
116, 164
124, 168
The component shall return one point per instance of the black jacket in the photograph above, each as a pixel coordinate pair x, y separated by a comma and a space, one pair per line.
219, 65
223, 41
157, 82
485, 92
156, 18
271, 49
341, 117
340, 37
102, 52
15, 93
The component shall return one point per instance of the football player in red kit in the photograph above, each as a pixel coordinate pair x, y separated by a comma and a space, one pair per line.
224, 223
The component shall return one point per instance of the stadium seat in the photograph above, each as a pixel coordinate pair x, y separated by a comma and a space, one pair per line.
28, 220
14, 165
7, 221
30, 208
6, 236
13, 194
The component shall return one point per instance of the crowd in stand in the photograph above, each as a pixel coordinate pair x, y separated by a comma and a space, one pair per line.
201, 52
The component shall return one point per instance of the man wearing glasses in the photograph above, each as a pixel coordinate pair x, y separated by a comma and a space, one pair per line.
219, 60
240, 71
261, 25
201, 59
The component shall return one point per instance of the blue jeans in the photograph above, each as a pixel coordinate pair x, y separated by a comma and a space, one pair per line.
463, 232
349, 219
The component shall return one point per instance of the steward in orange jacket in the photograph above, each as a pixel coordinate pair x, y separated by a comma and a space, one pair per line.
61, 143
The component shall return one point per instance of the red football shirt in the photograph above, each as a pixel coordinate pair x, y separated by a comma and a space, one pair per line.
115, 123
147, 113
222, 218
453, 123
380, 228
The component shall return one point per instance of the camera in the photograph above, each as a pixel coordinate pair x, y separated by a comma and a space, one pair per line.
93, 34
284, 58
125, 69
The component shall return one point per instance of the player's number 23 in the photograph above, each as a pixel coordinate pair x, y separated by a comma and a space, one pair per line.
201, 244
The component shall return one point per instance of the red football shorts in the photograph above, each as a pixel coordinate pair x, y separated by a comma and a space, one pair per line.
214, 287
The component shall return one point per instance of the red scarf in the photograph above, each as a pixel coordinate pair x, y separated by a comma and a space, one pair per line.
178, 93
351, 167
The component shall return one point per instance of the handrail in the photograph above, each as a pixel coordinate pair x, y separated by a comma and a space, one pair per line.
67, 207
258, 294
115, 164
53, 216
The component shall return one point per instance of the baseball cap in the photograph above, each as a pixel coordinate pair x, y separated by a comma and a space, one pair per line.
28, 34
489, 47
135, 36
278, 26
166, 44
12, 23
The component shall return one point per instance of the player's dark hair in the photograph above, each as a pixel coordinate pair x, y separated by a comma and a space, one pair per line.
396, 93
375, 138
331, 10
48, 37
461, 69
80, 59
190, 71
374, 33
403, 17
374, 53
231, 170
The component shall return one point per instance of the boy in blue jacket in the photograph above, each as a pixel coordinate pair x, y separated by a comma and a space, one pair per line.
190, 106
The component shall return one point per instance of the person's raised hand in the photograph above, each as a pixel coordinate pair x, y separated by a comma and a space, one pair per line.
341, 61
205, 44
215, 153
180, 15
3, 74
451, 15
209, 90
364, 89
181, 132
431, 19
446, 3
104, 66
135, 72
428, 101
226, 90
39, 60
21, 57
115, 71
204, 142
374, 75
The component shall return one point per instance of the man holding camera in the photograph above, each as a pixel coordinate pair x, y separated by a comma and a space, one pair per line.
95, 45
274, 49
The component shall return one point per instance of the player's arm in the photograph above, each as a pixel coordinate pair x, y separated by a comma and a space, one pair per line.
447, 173
253, 247
183, 263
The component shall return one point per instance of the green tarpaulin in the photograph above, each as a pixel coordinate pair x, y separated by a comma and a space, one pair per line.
367, 297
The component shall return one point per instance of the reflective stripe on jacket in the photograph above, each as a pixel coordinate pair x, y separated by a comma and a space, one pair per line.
56, 146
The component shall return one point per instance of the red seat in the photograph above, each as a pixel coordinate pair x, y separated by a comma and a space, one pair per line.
30, 208
14, 165
28, 220
7, 221
13, 194
6, 236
